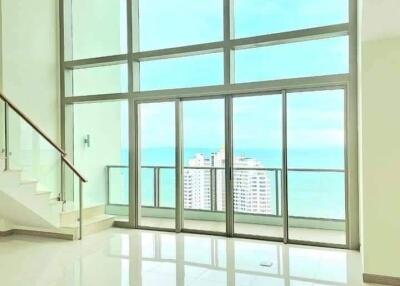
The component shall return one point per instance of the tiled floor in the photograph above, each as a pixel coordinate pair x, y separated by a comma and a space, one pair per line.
132, 257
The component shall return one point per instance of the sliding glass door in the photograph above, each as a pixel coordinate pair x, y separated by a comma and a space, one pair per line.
316, 166
288, 165
156, 164
257, 165
204, 164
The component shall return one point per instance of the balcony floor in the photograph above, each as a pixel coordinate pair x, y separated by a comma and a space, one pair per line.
295, 233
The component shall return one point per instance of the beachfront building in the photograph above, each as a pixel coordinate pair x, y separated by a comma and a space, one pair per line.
252, 188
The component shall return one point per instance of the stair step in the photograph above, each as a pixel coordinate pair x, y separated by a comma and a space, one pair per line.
90, 221
11, 177
14, 170
28, 182
43, 193
70, 216
29, 200
92, 225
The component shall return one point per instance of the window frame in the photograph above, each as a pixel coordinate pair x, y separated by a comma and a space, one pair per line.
227, 90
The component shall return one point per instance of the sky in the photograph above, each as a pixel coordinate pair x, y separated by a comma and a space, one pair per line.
315, 119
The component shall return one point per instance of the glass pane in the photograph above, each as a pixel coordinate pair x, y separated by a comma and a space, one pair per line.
29, 152
147, 197
316, 175
157, 164
100, 80
293, 60
118, 185
257, 165
257, 17
166, 24
201, 70
204, 162
167, 187
101, 152
99, 28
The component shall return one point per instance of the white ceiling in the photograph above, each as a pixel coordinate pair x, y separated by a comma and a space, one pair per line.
381, 19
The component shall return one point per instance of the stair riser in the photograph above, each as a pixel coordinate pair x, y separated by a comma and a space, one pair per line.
28, 188
25, 194
90, 228
98, 226
88, 213
10, 180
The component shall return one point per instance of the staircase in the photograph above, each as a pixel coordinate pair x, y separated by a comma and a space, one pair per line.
30, 208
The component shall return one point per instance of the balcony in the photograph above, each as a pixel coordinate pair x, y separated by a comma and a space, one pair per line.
260, 216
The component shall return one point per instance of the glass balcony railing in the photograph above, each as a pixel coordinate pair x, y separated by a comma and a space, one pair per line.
304, 187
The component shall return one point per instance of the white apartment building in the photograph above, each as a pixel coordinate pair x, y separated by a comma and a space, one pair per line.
252, 187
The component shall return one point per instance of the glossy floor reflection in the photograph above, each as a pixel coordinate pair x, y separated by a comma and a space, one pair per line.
133, 257
296, 233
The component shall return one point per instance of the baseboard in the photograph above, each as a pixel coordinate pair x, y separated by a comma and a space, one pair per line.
50, 234
64, 236
381, 279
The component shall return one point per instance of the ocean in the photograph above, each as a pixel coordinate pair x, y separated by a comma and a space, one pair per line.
310, 194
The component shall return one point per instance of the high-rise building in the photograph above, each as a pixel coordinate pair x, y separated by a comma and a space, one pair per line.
252, 187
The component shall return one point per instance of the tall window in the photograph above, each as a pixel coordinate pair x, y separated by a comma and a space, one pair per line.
233, 116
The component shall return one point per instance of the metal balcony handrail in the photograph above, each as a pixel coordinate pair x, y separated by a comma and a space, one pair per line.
213, 188
326, 170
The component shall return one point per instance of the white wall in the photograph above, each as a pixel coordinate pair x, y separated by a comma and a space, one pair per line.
103, 123
30, 69
380, 152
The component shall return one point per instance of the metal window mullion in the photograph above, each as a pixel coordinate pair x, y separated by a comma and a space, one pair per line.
229, 192
134, 196
179, 206
135, 177
228, 71
210, 47
351, 160
284, 193
228, 33
66, 83
316, 82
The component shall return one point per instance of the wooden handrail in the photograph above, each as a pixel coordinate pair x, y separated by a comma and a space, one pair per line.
43, 134
72, 167
33, 125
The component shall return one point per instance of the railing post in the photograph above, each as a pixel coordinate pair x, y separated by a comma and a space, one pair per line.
62, 183
80, 208
6, 135
213, 189
108, 185
276, 192
156, 187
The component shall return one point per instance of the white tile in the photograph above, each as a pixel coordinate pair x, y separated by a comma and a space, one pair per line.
132, 257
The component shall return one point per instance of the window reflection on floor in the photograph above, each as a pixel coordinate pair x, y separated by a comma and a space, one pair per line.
186, 259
